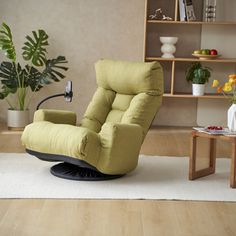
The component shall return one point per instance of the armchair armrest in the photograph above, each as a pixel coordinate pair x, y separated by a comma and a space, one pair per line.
120, 143
55, 116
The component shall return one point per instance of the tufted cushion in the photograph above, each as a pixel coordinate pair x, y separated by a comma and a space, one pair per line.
119, 106
98, 109
128, 93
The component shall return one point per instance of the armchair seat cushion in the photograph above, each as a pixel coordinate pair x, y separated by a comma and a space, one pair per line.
63, 139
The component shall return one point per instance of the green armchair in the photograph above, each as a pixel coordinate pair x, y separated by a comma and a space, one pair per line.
106, 144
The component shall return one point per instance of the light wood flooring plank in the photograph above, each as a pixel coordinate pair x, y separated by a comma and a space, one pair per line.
116, 217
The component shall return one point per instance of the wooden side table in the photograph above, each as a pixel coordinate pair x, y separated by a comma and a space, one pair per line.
193, 173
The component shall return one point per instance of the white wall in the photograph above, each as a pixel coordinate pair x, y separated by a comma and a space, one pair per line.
84, 31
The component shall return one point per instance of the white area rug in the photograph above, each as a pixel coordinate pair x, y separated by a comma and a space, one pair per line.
24, 176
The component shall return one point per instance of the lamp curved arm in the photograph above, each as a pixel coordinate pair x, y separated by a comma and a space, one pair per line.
47, 98
68, 94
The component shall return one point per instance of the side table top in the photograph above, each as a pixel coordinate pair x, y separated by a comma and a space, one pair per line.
196, 133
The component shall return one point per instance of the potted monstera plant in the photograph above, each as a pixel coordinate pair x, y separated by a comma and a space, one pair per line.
199, 76
20, 81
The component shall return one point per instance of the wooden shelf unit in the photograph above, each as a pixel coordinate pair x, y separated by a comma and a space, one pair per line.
173, 65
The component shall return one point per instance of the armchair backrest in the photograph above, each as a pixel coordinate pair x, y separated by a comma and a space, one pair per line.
128, 92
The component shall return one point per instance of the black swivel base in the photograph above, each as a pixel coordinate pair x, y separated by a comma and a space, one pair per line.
73, 172
72, 168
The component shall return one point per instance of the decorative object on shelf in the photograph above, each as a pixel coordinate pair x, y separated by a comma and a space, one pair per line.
158, 15
18, 80
206, 54
206, 57
182, 11
199, 76
168, 48
210, 10
228, 89
189, 10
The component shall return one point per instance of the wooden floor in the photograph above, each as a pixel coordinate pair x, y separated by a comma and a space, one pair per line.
44, 217
116, 218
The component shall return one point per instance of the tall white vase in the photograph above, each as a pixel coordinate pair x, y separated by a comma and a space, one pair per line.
231, 118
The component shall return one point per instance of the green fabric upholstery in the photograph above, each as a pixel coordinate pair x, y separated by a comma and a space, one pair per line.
120, 145
115, 123
125, 89
129, 77
55, 116
68, 140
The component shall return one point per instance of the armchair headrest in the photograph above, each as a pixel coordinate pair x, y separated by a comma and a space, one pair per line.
130, 77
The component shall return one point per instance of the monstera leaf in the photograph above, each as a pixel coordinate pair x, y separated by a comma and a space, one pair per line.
34, 48
51, 70
36, 79
5, 91
11, 75
33, 78
8, 78
6, 43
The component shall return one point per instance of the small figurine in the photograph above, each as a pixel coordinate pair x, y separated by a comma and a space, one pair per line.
159, 15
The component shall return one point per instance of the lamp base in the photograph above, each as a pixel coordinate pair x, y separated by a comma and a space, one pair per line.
73, 172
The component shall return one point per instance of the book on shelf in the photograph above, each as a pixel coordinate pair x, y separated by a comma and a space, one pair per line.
182, 11
189, 10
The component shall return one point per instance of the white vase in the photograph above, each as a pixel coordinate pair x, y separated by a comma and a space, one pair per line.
168, 48
231, 118
198, 89
17, 119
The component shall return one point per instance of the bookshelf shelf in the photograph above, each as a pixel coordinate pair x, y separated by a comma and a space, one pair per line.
191, 22
220, 60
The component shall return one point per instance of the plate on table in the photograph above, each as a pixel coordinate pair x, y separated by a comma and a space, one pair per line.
206, 57
213, 131
223, 131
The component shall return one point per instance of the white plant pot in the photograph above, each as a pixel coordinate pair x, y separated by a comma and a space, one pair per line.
231, 118
17, 119
198, 89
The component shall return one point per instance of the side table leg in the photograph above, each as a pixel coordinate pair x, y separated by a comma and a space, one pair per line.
193, 173
192, 160
212, 155
233, 166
